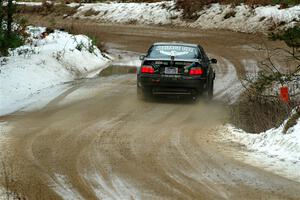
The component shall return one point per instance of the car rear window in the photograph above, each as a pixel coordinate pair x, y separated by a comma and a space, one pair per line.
178, 51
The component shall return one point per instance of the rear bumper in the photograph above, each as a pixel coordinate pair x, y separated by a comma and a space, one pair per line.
180, 85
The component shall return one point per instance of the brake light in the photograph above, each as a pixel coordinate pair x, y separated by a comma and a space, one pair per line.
196, 71
147, 70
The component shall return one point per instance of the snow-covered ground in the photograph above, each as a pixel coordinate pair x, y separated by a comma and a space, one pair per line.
42, 63
228, 87
240, 18
272, 150
30, 3
133, 13
247, 19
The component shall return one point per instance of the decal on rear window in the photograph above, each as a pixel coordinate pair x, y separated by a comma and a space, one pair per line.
175, 48
178, 51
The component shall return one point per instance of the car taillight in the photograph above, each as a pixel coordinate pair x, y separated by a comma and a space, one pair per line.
147, 70
196, 71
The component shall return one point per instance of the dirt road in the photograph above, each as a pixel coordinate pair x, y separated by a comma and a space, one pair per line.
98, 141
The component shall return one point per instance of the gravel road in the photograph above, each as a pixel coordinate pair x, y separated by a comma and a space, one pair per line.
98, 141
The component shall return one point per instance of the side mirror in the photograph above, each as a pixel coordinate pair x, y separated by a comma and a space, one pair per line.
214, 61
142, 57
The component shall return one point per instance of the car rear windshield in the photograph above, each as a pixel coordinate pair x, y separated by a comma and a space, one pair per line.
178, 51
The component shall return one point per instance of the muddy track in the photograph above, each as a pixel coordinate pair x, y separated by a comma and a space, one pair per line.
109, 145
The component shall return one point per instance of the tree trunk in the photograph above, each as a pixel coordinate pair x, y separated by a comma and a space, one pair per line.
10, 12
1, 14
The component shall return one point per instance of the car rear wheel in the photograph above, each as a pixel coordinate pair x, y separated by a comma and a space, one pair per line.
210, 88
143, 94
210, 92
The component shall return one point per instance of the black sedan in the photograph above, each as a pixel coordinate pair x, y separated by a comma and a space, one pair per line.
176, 69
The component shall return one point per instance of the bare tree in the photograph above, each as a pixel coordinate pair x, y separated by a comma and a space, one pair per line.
260, 107
271, 74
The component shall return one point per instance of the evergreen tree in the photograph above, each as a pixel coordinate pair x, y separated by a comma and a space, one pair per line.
291, 37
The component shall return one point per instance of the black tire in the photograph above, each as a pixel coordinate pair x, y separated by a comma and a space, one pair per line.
210, 92
143, 94
210, 87
195, 96
139, 93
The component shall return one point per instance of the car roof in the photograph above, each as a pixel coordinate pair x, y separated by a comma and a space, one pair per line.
175, 43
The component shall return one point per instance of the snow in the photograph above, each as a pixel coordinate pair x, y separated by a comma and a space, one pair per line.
227, 85
246, 18
89, 89
141, 13
273, 150
4, 129
6, 194
241, 18
3, 194
118, 189
63, 187
125, 58
45, 63
30, 3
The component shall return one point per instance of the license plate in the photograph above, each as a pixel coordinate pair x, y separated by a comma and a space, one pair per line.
171, 70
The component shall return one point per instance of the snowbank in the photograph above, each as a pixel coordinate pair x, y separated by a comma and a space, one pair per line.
30, 3
43, 63
273, 150
140, 13
240, 18
247, 19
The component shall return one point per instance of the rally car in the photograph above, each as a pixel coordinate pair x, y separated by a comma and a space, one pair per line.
175, 68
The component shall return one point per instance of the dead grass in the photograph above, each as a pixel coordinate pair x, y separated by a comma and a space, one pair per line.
255, 115
230, 14
78, 27
190, 7
292, 120
89, 30
91, 12
53, 18
47, 9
